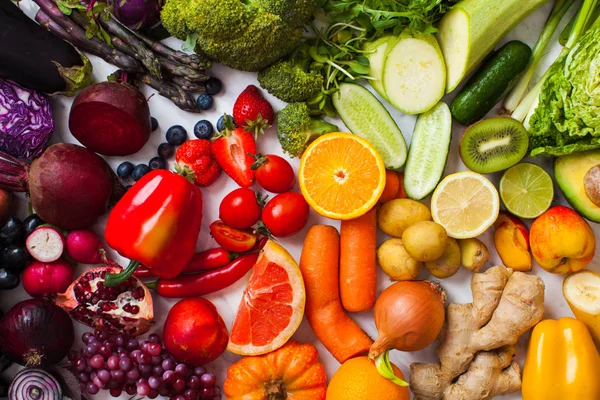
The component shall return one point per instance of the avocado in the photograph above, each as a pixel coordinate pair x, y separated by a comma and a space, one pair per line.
569, 172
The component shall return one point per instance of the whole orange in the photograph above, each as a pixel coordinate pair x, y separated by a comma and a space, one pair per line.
358, 379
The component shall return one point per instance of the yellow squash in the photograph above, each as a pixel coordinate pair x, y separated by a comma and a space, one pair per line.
562, 362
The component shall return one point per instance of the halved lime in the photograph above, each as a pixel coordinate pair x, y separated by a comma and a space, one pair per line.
526, 190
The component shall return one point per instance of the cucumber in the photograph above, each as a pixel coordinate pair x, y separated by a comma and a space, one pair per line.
428, 151
366, 117
414, 74
376, 52
491, 82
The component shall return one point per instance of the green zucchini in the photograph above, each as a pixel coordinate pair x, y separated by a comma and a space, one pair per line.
491, 82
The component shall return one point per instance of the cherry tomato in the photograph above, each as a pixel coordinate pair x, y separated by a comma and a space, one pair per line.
232, 239
240, 209
273, 173
285, 214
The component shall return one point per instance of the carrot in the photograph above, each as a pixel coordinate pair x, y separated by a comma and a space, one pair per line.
358, 273
392, 184
319, 264
401, 194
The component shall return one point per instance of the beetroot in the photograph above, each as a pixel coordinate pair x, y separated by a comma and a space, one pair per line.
69, 186
110, 118
42, 279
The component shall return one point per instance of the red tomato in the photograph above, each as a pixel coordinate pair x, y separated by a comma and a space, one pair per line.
285, 214
274, 173
232, 239
240, 209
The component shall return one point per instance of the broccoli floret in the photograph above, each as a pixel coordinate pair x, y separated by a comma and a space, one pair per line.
247, 35
296, 128
290, 80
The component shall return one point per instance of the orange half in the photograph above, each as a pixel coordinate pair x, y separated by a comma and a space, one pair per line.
341, 176
272, 305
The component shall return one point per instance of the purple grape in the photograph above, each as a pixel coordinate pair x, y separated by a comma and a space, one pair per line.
89, 368
143, 358
116, 392
178, 397
182, 370
216, 397
179, 384
199, 371
154, 349
102, 335
112, 384
156, 360
208, 381
133, 374
168, 364
154, 338
87, 337
146, 370
144, 346
193, 382
158, 371
117, 375
217, 390
121, 352
130, 389
153, 394
135, 353
154, 382
132, 344
105, 351
125, 364
83, 377
168, 376
104, 375
190, 394
141, 380
143, 389
97, 361
91, 349
82, 387
98, 382
113, 362
92, 389
80, 364
119, 340
164, 391
207, 392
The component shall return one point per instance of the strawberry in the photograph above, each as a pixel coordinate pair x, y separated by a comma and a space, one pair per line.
195, 160
252, 111
231, 148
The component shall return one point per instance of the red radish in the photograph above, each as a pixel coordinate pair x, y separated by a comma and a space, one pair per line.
45, 244
42, 279
69, 186
84, 246
110, 118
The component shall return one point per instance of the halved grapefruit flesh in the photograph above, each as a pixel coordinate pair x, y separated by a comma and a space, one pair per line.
272, 305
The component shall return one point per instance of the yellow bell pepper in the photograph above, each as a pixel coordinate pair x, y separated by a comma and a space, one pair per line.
562, 362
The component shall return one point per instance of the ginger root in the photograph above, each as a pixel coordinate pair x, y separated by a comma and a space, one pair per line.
476, 345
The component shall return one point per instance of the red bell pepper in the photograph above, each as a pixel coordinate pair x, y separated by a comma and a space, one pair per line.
156, 223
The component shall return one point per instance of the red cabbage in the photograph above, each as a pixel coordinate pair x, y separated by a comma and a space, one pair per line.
26, 122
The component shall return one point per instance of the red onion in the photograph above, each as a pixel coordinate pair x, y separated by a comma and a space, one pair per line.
36, 333
34, 384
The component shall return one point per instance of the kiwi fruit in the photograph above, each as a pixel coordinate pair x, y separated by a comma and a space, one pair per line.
493, 144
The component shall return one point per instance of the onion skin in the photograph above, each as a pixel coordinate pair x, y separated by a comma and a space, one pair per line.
409, 316
36, 333
34, 384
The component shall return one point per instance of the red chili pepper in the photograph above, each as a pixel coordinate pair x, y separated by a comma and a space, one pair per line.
260, 243
207, 282
202, 261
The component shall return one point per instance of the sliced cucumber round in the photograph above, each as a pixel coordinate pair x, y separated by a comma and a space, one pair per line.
376, 53
366, 117
428, 151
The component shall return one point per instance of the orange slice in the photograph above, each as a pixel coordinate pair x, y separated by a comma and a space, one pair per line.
341, 176
272, 305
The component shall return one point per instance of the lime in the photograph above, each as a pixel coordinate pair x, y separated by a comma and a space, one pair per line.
526, 190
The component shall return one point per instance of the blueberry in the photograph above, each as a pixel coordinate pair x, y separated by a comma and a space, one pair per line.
14, 258
139, 171
12, 232
8, 280
203, 129
176, 135
125, 169
204, 101
221, 122
31, 223
157, 163
213, 86
166, 151
153, 124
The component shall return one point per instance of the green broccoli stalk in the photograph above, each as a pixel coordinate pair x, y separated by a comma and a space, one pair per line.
296, 129
291, 80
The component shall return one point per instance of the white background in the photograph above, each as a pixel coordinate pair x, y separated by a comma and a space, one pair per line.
227, 300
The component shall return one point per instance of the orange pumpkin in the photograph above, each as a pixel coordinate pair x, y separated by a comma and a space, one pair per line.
293, 372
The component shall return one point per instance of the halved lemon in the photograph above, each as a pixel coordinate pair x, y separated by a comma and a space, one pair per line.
466, 204
341, 176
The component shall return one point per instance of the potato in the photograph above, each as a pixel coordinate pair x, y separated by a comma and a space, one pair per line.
395, 261
396, 215
425, 240
448, 263
473, 254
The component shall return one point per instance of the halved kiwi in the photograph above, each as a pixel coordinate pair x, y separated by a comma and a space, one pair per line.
493, 144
